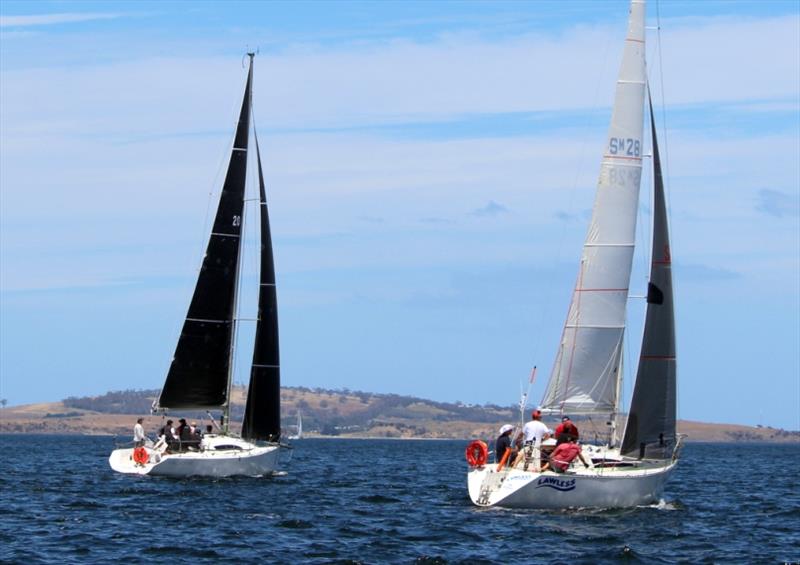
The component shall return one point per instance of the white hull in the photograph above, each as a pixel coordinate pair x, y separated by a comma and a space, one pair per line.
578, 488
221, 456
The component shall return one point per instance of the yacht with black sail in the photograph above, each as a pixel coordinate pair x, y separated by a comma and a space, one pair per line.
587, 373
201, 373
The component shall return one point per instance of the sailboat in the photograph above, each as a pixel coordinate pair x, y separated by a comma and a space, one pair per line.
587, 373
299, 434
201, 372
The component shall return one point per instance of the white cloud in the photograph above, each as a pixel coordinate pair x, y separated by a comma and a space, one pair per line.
727, 60
402, 81
52, 19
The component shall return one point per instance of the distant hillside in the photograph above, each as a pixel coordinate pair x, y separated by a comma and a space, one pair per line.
327, 413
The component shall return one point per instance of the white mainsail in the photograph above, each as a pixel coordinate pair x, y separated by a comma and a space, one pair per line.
587, 366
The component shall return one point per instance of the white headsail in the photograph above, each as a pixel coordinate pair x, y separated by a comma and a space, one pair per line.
587, 366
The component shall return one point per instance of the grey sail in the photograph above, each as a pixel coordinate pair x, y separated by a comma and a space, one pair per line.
199, 376
650, 431
586, 373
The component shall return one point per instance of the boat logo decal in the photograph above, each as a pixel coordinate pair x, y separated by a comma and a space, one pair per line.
558, 484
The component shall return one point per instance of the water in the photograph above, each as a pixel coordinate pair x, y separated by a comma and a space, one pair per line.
381, 501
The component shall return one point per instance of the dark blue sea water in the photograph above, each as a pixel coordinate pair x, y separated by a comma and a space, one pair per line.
376, 501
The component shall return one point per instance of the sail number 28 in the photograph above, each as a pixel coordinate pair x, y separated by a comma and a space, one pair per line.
624, 146
237, 221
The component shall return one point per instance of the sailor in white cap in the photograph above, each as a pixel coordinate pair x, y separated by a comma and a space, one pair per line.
503, 443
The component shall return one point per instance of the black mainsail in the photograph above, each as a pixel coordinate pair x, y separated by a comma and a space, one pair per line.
200, 374
650, 431
262, 415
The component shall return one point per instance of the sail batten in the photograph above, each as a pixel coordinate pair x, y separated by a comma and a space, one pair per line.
587, 367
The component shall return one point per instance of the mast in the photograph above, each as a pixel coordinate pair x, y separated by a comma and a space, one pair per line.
650, 430
585, 375
199, 376
226, 409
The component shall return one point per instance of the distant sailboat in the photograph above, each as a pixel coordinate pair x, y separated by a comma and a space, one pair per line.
201, 372
299, 434
586, 377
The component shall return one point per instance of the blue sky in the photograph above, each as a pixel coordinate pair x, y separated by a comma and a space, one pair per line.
431, 167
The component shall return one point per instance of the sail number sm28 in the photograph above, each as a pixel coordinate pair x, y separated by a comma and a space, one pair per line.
625, 146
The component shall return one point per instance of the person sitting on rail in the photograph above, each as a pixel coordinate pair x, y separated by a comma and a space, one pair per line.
563, 455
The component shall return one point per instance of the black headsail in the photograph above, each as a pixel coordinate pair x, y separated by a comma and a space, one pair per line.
200, 371
262, 415
650, 431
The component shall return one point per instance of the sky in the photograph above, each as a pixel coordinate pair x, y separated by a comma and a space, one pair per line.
431, 169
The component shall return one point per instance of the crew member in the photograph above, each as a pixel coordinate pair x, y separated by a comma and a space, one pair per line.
565, 430
563, 455
503, 443
138, 433
533, 433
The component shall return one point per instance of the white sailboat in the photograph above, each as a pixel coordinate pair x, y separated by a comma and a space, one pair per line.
299, 433
201, 372
586, 377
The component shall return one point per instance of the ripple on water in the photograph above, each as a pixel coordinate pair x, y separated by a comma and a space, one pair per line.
379, 499
295, 524
377, 502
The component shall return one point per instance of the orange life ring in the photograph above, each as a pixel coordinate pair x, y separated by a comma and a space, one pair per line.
140, 455
477, 453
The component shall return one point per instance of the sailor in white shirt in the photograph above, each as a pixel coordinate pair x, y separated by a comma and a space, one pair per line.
138, 433
533, 432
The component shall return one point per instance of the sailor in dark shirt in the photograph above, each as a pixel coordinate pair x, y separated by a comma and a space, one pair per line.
504, 442
168, 435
